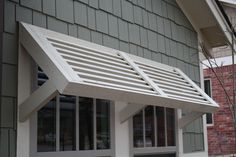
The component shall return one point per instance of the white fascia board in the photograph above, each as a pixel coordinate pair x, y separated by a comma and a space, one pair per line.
220, 19
97, 91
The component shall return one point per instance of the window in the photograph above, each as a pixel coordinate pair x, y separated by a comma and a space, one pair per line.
207, 88
154, 127
70, 123
94, 124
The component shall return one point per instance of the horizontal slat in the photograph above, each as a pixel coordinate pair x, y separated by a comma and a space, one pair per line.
165, 81
77, 59
78, 50
188, 99
184, 94
68, 53
77, 65
116, 81
164, 88
161, 74
161, 68
163, 77
119, 86
110, 75
174, 84
83, 47
155, 70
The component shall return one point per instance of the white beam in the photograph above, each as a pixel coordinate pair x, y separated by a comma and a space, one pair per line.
37, 100
129, 111
188, 118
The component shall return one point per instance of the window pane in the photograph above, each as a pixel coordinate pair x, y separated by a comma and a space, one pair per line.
67, 123
209, 118
160, 126
103, 124
47, 127
207, 87
138, 130
149, 127
170, 122
85, 123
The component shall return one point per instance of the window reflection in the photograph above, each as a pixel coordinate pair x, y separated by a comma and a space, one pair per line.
103, 124
170, 120
85, 123
138, 130
149, 127
47, 127
160, 126
67, 123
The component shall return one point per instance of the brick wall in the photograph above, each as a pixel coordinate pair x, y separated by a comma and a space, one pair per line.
153, 29
221, 139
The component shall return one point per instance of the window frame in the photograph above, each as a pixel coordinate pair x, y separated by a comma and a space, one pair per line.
155, 150
73, 153
212, 115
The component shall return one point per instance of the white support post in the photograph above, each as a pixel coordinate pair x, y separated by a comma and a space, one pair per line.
37, 100
24, 89
122, 145
188, 118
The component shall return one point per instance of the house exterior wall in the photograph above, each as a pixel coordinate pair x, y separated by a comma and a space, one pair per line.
221, 137
153, 29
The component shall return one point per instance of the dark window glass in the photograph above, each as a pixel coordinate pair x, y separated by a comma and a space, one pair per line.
103, 124
209, 118
67, 123
86, 123
207, 86
47, 127
160, 126
138, 130
170, 122
149, 127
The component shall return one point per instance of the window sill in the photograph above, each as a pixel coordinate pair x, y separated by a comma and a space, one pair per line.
84, 153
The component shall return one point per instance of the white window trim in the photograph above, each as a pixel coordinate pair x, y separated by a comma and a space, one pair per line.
212, 114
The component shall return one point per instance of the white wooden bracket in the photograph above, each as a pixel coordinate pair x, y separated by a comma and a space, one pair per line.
37, 100
188, 118
130, 110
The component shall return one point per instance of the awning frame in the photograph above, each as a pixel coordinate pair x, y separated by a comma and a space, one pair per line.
64, 80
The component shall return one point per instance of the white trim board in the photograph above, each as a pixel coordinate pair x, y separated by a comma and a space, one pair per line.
80, 68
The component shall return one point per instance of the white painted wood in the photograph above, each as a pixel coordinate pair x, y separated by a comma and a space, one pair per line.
142, 74
35, 47
122, 146
188, 118
24, 90
213, 103
37, 100
129, 111
81, 68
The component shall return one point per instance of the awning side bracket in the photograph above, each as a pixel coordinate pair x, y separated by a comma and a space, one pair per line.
37, 100
188, 118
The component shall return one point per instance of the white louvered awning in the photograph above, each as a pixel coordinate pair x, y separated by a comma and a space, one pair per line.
81, 68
